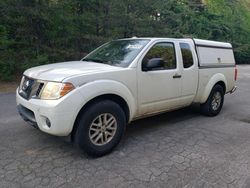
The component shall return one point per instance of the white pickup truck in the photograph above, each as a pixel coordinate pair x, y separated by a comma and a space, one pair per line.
93, 100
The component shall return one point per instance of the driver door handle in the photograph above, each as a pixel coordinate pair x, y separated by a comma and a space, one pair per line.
177, 76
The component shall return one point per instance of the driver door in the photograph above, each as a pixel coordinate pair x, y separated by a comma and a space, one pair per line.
159, 79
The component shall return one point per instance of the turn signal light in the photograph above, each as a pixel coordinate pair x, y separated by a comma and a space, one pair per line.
66, 88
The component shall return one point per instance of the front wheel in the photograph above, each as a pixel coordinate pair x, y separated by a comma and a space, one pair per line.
214, 103
100, 128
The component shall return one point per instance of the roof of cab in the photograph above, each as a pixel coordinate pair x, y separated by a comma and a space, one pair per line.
199, 42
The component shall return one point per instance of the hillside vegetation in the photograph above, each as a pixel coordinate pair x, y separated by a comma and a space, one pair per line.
37, 32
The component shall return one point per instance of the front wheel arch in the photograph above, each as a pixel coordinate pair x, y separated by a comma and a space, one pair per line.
95, 134
112, 97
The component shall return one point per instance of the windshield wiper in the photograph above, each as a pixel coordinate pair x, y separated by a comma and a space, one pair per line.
98, 61
94, 60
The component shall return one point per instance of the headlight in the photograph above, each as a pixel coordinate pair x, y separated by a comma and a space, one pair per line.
56, 90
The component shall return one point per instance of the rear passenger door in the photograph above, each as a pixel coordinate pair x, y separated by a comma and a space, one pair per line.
189, 73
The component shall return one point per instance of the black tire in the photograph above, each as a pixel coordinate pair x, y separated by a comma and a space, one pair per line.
207, 107
82, 137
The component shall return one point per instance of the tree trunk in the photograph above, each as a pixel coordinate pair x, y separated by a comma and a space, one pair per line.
106, 17
97, 24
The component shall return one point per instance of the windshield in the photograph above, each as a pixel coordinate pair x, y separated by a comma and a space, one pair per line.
118, 53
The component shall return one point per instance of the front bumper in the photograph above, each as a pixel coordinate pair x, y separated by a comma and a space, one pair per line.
27, 115
55, 117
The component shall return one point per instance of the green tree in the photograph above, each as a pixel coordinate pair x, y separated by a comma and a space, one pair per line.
36, 32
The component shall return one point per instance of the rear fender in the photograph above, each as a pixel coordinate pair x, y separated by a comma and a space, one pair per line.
214, 80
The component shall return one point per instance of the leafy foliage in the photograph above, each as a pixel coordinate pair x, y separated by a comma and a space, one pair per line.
36, 32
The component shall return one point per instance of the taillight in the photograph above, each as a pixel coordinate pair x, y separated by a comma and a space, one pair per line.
235, 73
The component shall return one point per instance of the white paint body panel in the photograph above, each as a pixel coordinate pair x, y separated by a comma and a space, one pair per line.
211, 56
145, 93
212, 43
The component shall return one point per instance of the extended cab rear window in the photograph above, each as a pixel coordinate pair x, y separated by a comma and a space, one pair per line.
187, 57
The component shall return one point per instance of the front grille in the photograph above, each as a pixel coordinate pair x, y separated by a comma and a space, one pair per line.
40, 87
30, 88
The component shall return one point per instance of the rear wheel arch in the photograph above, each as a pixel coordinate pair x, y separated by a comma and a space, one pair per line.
222, 84
214, 103
217, 79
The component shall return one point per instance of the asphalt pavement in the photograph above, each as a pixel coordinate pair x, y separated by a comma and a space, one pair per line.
176, 149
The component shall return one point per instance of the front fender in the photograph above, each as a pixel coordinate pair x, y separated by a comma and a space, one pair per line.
96, 88
213, 80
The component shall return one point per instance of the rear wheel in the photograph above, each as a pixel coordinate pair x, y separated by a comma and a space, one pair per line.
100, 128
214, 103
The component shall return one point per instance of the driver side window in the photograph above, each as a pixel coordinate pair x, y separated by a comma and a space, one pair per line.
160, 57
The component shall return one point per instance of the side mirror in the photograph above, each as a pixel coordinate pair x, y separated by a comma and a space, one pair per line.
151, 64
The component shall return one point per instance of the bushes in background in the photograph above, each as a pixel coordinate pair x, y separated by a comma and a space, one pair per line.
46, 31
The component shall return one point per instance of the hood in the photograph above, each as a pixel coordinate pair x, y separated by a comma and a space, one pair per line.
60, 71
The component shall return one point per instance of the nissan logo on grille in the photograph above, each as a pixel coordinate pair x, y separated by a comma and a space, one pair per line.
27, 88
